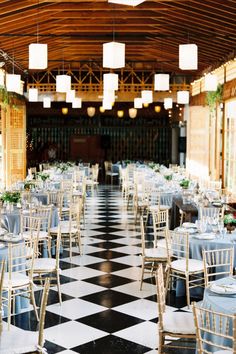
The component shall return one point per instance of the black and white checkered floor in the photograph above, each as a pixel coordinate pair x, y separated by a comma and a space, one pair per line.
103, 310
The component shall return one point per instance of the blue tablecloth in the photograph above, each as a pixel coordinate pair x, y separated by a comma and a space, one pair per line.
196, 247
11, 220
220, 303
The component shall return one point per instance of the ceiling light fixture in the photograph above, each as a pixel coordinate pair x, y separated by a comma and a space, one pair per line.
161, 82
183, 97
13, 83
77, 102
188, 56
91, 111
120, 114
38, 53
168, 103
126, 2
138, 102
33, 95
113, 55
147, 96
211, 82
63, 83
110, 81
46, 102
133, 113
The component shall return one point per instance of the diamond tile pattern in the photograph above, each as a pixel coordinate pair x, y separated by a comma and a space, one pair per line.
103, 310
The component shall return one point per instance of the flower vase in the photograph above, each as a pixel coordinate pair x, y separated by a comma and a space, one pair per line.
230, 227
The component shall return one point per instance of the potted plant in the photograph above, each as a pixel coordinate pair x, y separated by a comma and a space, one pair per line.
230, 221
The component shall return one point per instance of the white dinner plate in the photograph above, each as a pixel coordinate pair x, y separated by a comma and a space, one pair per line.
205, 236
189, 225
223, 288
185, 230
2, 245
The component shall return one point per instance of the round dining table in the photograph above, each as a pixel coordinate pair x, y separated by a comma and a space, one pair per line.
197, 245
224, 303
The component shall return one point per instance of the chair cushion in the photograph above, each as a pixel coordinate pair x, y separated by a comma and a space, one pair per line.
64, 230
17, 279
158, 252
223, 352
154, 208
18, 341
41, 264
194, 265
179, 322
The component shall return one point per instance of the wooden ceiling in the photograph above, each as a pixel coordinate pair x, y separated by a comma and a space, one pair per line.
75, 31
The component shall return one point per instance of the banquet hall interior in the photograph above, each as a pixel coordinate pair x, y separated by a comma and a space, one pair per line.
118, 176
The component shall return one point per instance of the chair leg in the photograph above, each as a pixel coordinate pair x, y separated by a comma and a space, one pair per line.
187, 290
33, 302
70, 245
59, 287
142, 275
9, 309
161, 342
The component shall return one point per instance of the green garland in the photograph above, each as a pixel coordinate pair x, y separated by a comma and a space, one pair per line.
214, 97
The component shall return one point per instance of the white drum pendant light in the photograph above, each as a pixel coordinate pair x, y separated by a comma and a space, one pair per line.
77, 102
46, 102
13, 83
113, 55
168, 103
38, 56
63, 83
33, 95
183, 97
110, 82
161, 82
188, 56
106, 104
147, 96
138, 102
127, 2
211, 82
70, 96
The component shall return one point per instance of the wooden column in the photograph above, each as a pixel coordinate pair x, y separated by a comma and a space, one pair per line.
13, 127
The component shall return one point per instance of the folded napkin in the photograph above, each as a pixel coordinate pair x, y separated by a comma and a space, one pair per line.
224, 288
205, 236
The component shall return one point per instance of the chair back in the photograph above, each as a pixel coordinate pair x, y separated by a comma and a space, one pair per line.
178, 246
215, 331
44, 212
160, 224
161, 295
217, 263
18, 259
211, 212
55, 198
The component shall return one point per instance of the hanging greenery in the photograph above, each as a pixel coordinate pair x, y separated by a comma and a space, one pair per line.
214, 97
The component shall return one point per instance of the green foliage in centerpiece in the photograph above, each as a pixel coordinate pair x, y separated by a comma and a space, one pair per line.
230, 219
64, 166
168, 177
11, 197
28, 185
43, 176
184, 183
